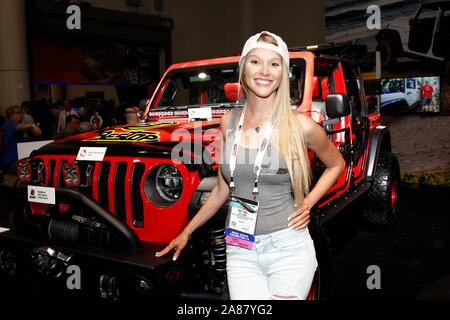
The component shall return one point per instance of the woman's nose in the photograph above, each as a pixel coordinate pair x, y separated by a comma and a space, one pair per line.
264, 68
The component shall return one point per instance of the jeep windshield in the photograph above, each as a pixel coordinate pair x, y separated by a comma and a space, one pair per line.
214, 85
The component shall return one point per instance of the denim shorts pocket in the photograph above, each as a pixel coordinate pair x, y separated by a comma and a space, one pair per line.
291, 241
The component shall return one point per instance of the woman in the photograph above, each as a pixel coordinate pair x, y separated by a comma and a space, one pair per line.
13, 134
271, 254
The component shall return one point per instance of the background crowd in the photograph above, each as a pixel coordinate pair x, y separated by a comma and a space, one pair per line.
43, 120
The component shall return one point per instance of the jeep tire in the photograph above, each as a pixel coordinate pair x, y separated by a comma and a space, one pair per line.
380, 208
388, 54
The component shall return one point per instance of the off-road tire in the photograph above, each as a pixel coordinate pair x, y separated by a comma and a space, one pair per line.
380, 208
388, 55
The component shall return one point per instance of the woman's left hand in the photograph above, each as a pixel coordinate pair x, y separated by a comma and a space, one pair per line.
300, 218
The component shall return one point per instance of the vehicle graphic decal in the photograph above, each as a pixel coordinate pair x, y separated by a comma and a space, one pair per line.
132, 133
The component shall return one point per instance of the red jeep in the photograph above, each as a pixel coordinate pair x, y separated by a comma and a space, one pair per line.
107, 200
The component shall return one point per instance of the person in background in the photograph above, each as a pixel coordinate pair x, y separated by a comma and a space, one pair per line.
427, 95
27, 118
68, 110
72, 127
13, 133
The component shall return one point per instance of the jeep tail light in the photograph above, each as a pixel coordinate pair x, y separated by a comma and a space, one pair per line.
71, 175
24, 171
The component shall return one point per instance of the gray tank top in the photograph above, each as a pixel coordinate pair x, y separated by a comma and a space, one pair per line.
276, 203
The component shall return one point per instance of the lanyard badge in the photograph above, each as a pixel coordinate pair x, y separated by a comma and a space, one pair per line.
243, 213
240, 228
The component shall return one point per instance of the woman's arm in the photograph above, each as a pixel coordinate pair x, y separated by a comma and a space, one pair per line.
215, 201
318, 142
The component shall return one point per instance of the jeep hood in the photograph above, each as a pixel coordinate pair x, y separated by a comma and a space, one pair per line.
141, 140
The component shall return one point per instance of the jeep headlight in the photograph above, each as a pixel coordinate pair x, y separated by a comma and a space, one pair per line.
163, 185
24, 170
71, 175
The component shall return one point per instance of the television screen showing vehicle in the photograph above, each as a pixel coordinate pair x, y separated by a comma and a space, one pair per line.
413, 94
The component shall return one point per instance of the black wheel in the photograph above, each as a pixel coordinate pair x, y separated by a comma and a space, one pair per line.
322, 279
388, 55
380, 209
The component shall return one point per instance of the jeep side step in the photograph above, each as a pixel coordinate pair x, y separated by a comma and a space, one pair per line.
336, 206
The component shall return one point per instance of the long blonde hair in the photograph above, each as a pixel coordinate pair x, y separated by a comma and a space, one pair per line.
291, 141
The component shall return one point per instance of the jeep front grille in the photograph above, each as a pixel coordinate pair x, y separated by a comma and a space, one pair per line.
118, 185
109, 188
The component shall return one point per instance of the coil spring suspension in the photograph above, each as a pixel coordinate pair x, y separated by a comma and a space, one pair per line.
217, 258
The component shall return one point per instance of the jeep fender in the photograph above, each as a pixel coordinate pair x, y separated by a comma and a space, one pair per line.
393, 36
380, 140
205, 185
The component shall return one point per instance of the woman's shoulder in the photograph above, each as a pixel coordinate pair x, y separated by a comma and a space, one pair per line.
307, 124
225, 121
305, 121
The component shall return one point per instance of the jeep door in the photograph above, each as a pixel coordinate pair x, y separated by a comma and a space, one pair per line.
442, 35
412, 91
421, 29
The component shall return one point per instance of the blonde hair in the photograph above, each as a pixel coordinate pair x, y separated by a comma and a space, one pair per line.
290, 141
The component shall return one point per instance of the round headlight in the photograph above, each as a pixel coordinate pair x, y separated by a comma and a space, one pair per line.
163, 185
24, 170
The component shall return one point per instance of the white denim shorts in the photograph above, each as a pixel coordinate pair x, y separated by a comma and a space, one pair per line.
281, 265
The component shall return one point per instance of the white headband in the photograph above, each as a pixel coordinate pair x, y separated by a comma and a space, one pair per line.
253, 43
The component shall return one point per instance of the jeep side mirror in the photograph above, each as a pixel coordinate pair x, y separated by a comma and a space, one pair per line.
337, 105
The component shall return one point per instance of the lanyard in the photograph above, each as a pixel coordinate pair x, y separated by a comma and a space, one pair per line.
259, 157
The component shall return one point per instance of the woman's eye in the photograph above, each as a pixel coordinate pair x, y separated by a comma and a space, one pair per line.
253, 61
275, 64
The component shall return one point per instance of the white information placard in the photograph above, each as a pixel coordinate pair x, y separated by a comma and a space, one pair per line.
200, 113
41, 194
91, 153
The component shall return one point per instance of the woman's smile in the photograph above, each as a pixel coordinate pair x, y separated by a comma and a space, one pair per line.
263, 72
263, 82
